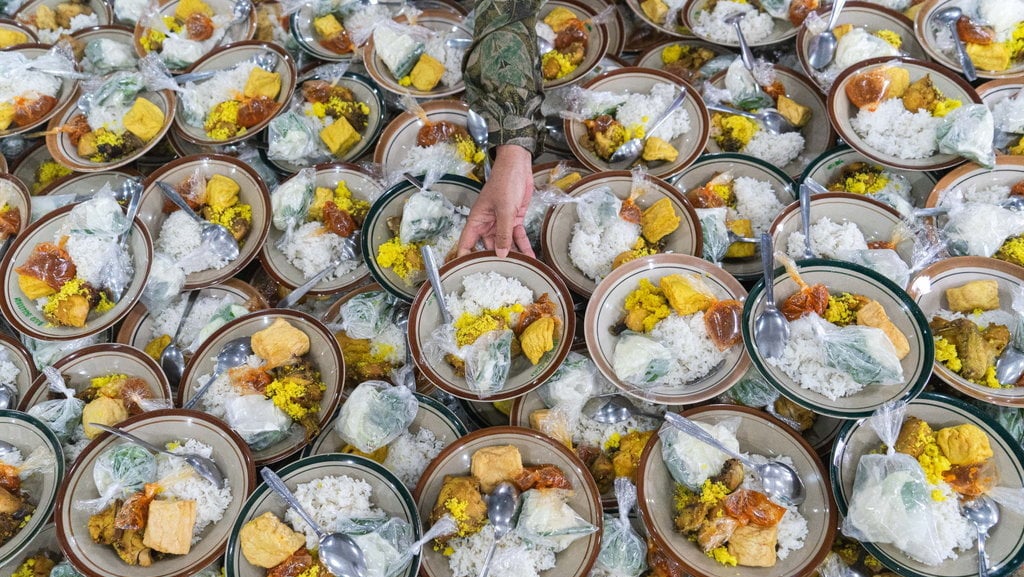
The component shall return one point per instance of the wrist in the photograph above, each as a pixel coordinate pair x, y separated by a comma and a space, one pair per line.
513, 153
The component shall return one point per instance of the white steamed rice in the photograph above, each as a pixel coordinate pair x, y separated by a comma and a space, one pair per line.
17, 81
593, 248
694, 353
775, 149
77, 23
755, 200
441, 158
197, 100
513, 557
410, 453
329, 500
895, 131
180, 482
487, 290
8, 371
166, 321
640, 109
181, 240
711, 24
312, 247
828, 239
803, 360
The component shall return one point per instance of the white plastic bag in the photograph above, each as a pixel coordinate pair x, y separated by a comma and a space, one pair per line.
375, 414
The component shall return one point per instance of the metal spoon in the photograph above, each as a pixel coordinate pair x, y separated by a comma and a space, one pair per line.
1014, 202
337, 551
172, 361
217, 238
6, 447
948, 17
265, 60
459, 43
477, 127
544, 45
501, 510
133, 188
59, 72
203, 466
349, 250
984, 513
1010, 365
771, 329
772, 120
778, 480
233, 354
8, 399
733, 237
822, 48
745, 54
435, 282
614, 409
240, 11
805, 218
630, 150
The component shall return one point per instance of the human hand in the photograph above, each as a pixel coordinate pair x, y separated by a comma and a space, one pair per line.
497, 215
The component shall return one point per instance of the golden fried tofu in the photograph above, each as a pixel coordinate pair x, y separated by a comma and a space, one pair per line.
873, 315
964, 444
169, 526
754, 546
327, 26
426, 73
553, 424
10, 38
280, 343
492, 465
870, 88
71, 312
995, 56
6, 115
144, 119
797, 114
656, 10
33, 287
657, 149
977, 294
262, 83
559, 18
914, 436
566, 181
538, 338
88, 145
340, 137
659, 220
266, 541
68, 10
627, 458
104, 411
686, 294
221, 192
742, 227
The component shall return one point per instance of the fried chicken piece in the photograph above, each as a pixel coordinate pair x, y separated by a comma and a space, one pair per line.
921, 94
101, 525
731, 475
541, 477
801, 417
717, 529
692, 517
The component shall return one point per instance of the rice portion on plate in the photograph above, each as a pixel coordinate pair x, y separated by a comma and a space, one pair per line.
828, 239
513, 557
330, 499
895, 131
599, 235
711, 24
180, 482
410, 453
756, 200
180, 238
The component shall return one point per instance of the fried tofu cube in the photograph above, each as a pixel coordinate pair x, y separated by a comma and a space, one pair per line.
656, 10
657, 149
659, 220
266, 541
144, 119
321, 196
559, 17
754, 546
104, 411
221, 192
169, 526
553, 424
45, 18
538, 338
977, 294
427, 73
327, 26
10, 38
493, 465
262, 83
6, 115
280, 343
873, 315
340, 137
33, 287
964, 444
995, 56
187, 8
742, 227
797, 114
686, 294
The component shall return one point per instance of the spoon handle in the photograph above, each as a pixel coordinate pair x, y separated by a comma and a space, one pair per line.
731, 110
768, 263
189, 303
130, 437
667, 112
134, 202
277, 485
965, 60
694, 430
178, 201
833, 17
490, 555
292, 298
805, 219
983, 562
745, 54
191, 403
435, 282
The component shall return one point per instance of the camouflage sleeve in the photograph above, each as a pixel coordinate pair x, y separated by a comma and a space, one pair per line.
502, 71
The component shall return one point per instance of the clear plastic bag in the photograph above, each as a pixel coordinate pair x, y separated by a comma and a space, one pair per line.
968, 131
382, 541
488, 361
427, 214
290, 202
119, 472
979, 229
62, 416
884, 261
690, 461
257, 420
640, 360
1017, 306
744, 90
572, 383
715, 233
166, 280
623, 551
64, 569
753, 390
546, 520
375, 414
291, 139
367, 314
892, 500
862, 352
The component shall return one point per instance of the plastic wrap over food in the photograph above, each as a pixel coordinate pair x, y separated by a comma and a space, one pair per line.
367, 314
582, 104
714, 232
862, 352
744, 90
289, 203
488, 362
62, 415
1017, 306
291, 139
154, 73
546, 520
166, 280
979, 229
257, 420
572, 384
968, 131
752, 390
690, 461
640, 360
119, 472
623, 551
892, 500
427, 214
884, 261
375, 414
383, 542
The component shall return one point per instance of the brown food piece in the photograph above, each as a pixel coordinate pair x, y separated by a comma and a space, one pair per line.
339, 42
541, 477
717, 530
246, 378
199, 26
338, 221
630, 212
573, 32
10, 502
870, 88
971, 347
662, 565
722, 321
704, 197
801, 417
799, 9
692, 517
731, 475
972, 480
1017, 189
169, 526
131, 549
10, 222
297, 563
775, 90
540, 308
689, 63
101, 525
441, 131
921, 94
255, 110
466, 490
49, 263
9, 478
76, 127
68, 10
812, 299
914, 437
997, 337
133, 513
603, 471
132, 391
29, 111
970, 31
322, 91
754, 546
753, 507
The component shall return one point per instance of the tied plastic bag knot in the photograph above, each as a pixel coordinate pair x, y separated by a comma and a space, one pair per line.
623, 551
64, 415
290, 204
41, 459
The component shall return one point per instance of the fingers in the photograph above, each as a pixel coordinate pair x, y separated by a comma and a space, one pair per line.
469, 237
504, 226
522, 241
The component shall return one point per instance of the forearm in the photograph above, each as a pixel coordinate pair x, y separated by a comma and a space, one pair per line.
502, 71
